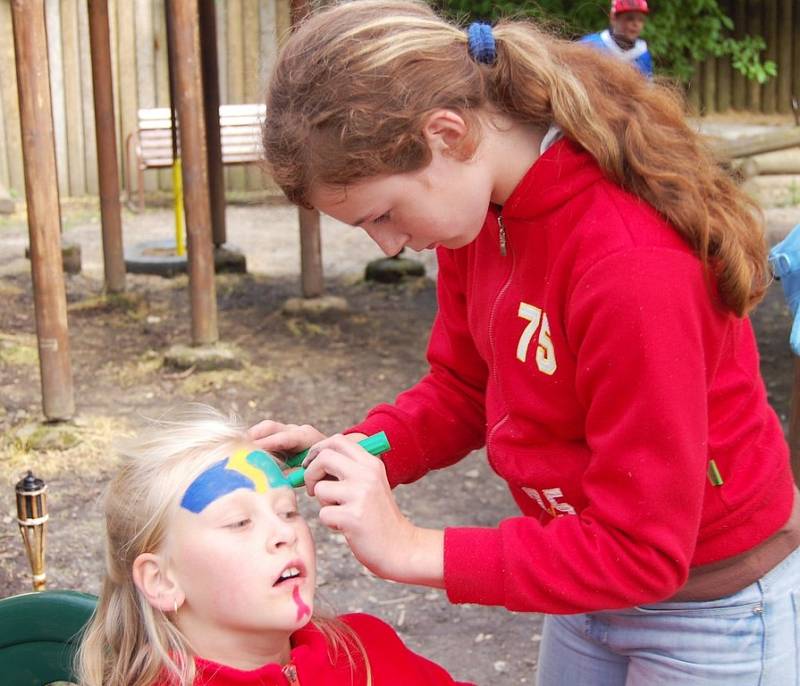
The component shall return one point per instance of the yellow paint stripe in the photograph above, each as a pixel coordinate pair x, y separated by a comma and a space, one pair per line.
238, 462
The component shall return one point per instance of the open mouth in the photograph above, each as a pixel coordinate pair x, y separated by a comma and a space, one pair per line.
294, 570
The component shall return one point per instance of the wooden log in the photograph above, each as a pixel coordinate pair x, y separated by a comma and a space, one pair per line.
776, 162
786, 137
738, 81
108, 170
194, 158
754, 25
44, 219
786, 18
52, 15
769, 89
211, 102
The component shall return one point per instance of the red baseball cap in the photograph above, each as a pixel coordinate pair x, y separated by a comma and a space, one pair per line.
620, 6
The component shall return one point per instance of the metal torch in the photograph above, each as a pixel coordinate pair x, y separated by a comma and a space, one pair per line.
32, 517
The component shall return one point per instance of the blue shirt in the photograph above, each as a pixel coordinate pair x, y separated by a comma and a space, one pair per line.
638, 55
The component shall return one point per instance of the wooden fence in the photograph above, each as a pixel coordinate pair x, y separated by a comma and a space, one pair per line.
247, 32
717, 87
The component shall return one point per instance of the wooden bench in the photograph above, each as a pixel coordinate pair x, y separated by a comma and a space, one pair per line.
150, 146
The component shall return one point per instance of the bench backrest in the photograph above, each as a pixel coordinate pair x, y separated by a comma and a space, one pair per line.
240, 134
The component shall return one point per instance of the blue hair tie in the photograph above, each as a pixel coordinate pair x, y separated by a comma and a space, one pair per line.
481, 42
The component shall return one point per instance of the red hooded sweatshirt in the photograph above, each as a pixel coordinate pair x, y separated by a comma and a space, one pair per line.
391, 662
580, 339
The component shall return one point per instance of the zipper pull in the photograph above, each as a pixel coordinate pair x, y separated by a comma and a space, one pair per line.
502, 235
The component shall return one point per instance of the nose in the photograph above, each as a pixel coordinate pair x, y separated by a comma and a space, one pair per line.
390, 242
281, 534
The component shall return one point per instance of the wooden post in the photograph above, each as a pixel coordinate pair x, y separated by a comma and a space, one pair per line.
44, 218
754, 29
191, 124
784, 88
739, 86
108, 170
796, 56
211, 101
794, 422
694, 94
310, 254
310, 243
236, 174
769, 89
710, 85
724, 70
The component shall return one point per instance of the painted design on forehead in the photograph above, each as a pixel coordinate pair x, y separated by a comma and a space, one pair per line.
254, 470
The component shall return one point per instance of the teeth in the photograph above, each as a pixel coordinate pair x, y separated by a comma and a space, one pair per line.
290, 572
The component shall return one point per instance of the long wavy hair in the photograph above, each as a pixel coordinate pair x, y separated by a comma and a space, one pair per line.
354, 84
128, 642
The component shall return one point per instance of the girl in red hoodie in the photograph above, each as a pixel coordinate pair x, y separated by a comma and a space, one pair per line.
595, 269
210, 576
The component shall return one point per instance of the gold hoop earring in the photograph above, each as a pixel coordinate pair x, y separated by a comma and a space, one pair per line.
175, 605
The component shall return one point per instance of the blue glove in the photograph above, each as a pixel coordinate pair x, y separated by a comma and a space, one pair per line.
785, 261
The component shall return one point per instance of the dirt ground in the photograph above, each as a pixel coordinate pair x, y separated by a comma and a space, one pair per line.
323, 372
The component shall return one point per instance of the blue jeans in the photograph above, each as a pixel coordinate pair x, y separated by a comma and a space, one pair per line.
751, 638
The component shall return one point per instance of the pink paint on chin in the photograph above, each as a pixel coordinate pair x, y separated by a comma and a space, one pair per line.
302, 608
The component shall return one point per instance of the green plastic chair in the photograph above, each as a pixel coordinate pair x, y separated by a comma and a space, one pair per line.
39, 633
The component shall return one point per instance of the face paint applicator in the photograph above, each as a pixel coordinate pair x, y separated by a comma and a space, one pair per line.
376, 445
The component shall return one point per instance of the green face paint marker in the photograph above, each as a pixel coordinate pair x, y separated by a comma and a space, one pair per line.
377, 444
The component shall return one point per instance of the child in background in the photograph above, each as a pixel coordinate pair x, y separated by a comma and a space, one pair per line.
627, 19
210, 576
596, 267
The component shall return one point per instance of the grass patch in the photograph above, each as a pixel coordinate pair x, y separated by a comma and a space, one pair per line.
18, 350
92, 453
249, 377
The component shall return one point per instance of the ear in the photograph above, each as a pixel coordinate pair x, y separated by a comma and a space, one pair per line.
447, 132
155, 583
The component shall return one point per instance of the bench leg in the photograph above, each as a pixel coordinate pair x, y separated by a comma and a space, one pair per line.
141, 189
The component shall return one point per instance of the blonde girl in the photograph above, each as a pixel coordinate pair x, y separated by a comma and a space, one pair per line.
595, 271
210, 575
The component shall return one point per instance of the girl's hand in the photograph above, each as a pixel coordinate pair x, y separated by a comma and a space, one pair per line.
283, 440
351, 486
